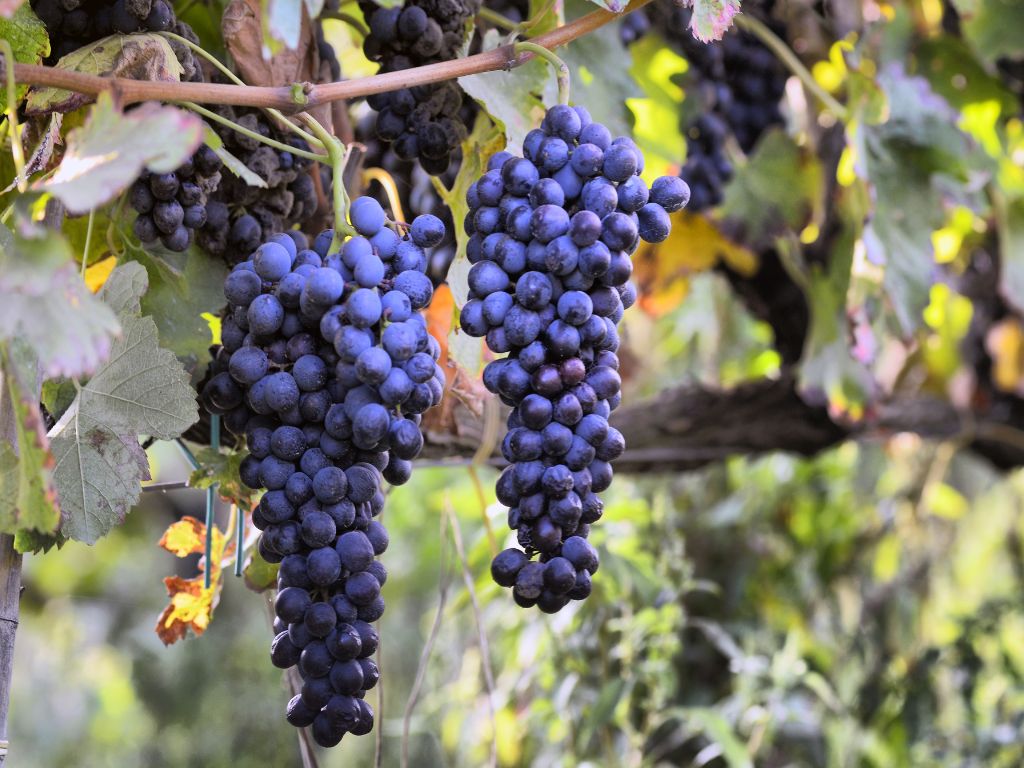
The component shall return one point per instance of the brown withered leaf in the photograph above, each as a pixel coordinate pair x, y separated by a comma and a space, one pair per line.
136, 57
461, 390
241, 26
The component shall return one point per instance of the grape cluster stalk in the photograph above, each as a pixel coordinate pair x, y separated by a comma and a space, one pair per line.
551, 237
326, 369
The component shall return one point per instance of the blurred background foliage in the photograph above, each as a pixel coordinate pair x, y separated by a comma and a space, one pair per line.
862, 607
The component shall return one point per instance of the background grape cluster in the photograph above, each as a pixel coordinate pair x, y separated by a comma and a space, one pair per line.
240, 216
551, 238
326, 368
423, 122
172, 206
740, 82
72, 24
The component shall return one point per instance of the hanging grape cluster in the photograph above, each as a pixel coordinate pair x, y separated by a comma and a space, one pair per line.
240, 215
422, 122
73, 24
551, 238
740, 84
326, 369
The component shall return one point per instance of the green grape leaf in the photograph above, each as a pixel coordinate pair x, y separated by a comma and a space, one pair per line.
828, 372
1010, 217
600, 81
58, 395
992, 27
136, 57
124, 289
143, 389
258, 573
107, 154
28, 499
182, 286
44, 302
28, 39
514, 99
774, 191
902, 159
27, 540
98, 473
220, 468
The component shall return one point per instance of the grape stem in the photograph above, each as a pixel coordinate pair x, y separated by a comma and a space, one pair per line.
274, 113
349, 19
497, 20
785, 54
282, 97
17, 151
385, 179
88, 241
560, 67
338, 154
211, 115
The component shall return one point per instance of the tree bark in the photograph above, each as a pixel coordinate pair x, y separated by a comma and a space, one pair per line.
10, 594
689, 426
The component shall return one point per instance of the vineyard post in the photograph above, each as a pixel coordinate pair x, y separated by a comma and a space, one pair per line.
10, 594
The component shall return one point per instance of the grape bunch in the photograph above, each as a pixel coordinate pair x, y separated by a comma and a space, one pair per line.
240, 216
72, 24
551, 238
423, 122
707, 168
326, 369
740, 84
172, 206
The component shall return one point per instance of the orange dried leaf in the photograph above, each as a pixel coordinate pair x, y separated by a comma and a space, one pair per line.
440, 317
191, 605
1005, 343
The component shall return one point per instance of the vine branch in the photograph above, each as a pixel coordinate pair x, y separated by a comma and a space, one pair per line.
307, 95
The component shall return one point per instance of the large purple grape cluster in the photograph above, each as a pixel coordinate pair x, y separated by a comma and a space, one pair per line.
551, 237
326, 369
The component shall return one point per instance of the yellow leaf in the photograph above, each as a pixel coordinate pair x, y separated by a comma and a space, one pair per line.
192, 603
185, 537
695, 245
97, 274
1005, 343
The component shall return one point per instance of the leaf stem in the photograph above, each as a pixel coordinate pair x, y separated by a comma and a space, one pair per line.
253, 134
785, 54
238, 81
17, 151
338, 154
559, 66
88, 241
496, 19
349, 19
